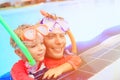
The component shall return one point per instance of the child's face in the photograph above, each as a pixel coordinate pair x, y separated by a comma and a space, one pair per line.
37, 49
55, 44
33, 40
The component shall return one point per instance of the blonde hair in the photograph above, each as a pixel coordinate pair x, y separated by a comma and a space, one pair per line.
18, 32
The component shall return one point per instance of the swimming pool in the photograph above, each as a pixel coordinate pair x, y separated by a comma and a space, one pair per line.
87, 19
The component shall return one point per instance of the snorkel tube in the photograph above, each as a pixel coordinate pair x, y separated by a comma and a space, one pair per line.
18, 42
73, 42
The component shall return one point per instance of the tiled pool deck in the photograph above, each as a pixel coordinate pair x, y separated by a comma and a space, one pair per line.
96, 59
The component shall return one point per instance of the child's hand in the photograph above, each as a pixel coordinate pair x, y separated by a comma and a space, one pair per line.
52, 73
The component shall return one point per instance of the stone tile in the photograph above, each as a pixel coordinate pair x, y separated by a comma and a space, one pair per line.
95, 66
111, 56
77, 75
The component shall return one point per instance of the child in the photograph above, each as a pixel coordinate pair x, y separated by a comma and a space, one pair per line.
32, 37
55, 42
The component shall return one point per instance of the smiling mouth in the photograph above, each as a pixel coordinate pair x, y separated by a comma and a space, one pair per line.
41, 54
57, 49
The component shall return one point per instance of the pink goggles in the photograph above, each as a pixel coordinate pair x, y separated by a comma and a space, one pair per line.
59, 23
34, 31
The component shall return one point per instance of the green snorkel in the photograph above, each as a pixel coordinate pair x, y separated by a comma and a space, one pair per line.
18, 42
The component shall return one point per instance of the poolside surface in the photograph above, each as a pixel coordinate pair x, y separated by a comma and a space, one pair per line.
100, 62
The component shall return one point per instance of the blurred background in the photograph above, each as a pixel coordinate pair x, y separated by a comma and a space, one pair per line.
16, 3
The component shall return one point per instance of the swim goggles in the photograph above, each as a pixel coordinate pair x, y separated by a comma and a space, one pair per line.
58, 23
31, 33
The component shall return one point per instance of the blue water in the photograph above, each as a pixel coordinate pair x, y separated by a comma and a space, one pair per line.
86, 18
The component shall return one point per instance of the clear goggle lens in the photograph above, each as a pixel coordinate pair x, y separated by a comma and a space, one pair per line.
33, 32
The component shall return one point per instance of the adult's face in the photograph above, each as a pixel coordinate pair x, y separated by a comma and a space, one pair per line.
55, 44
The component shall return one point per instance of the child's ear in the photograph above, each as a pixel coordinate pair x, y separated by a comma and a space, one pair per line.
18, 52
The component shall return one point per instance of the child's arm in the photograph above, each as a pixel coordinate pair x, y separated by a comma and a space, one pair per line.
75, 61
72, 63
57, 71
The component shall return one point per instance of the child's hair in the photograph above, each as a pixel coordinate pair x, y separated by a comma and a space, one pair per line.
18, 32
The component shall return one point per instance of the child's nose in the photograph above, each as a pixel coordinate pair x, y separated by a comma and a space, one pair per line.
40, 47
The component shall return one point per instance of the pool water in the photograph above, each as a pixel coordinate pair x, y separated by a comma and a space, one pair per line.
87, 19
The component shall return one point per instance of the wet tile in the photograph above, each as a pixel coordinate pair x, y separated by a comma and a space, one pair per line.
95, 66
96, 54
86, 60
111, 56
77, 75
117, 48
